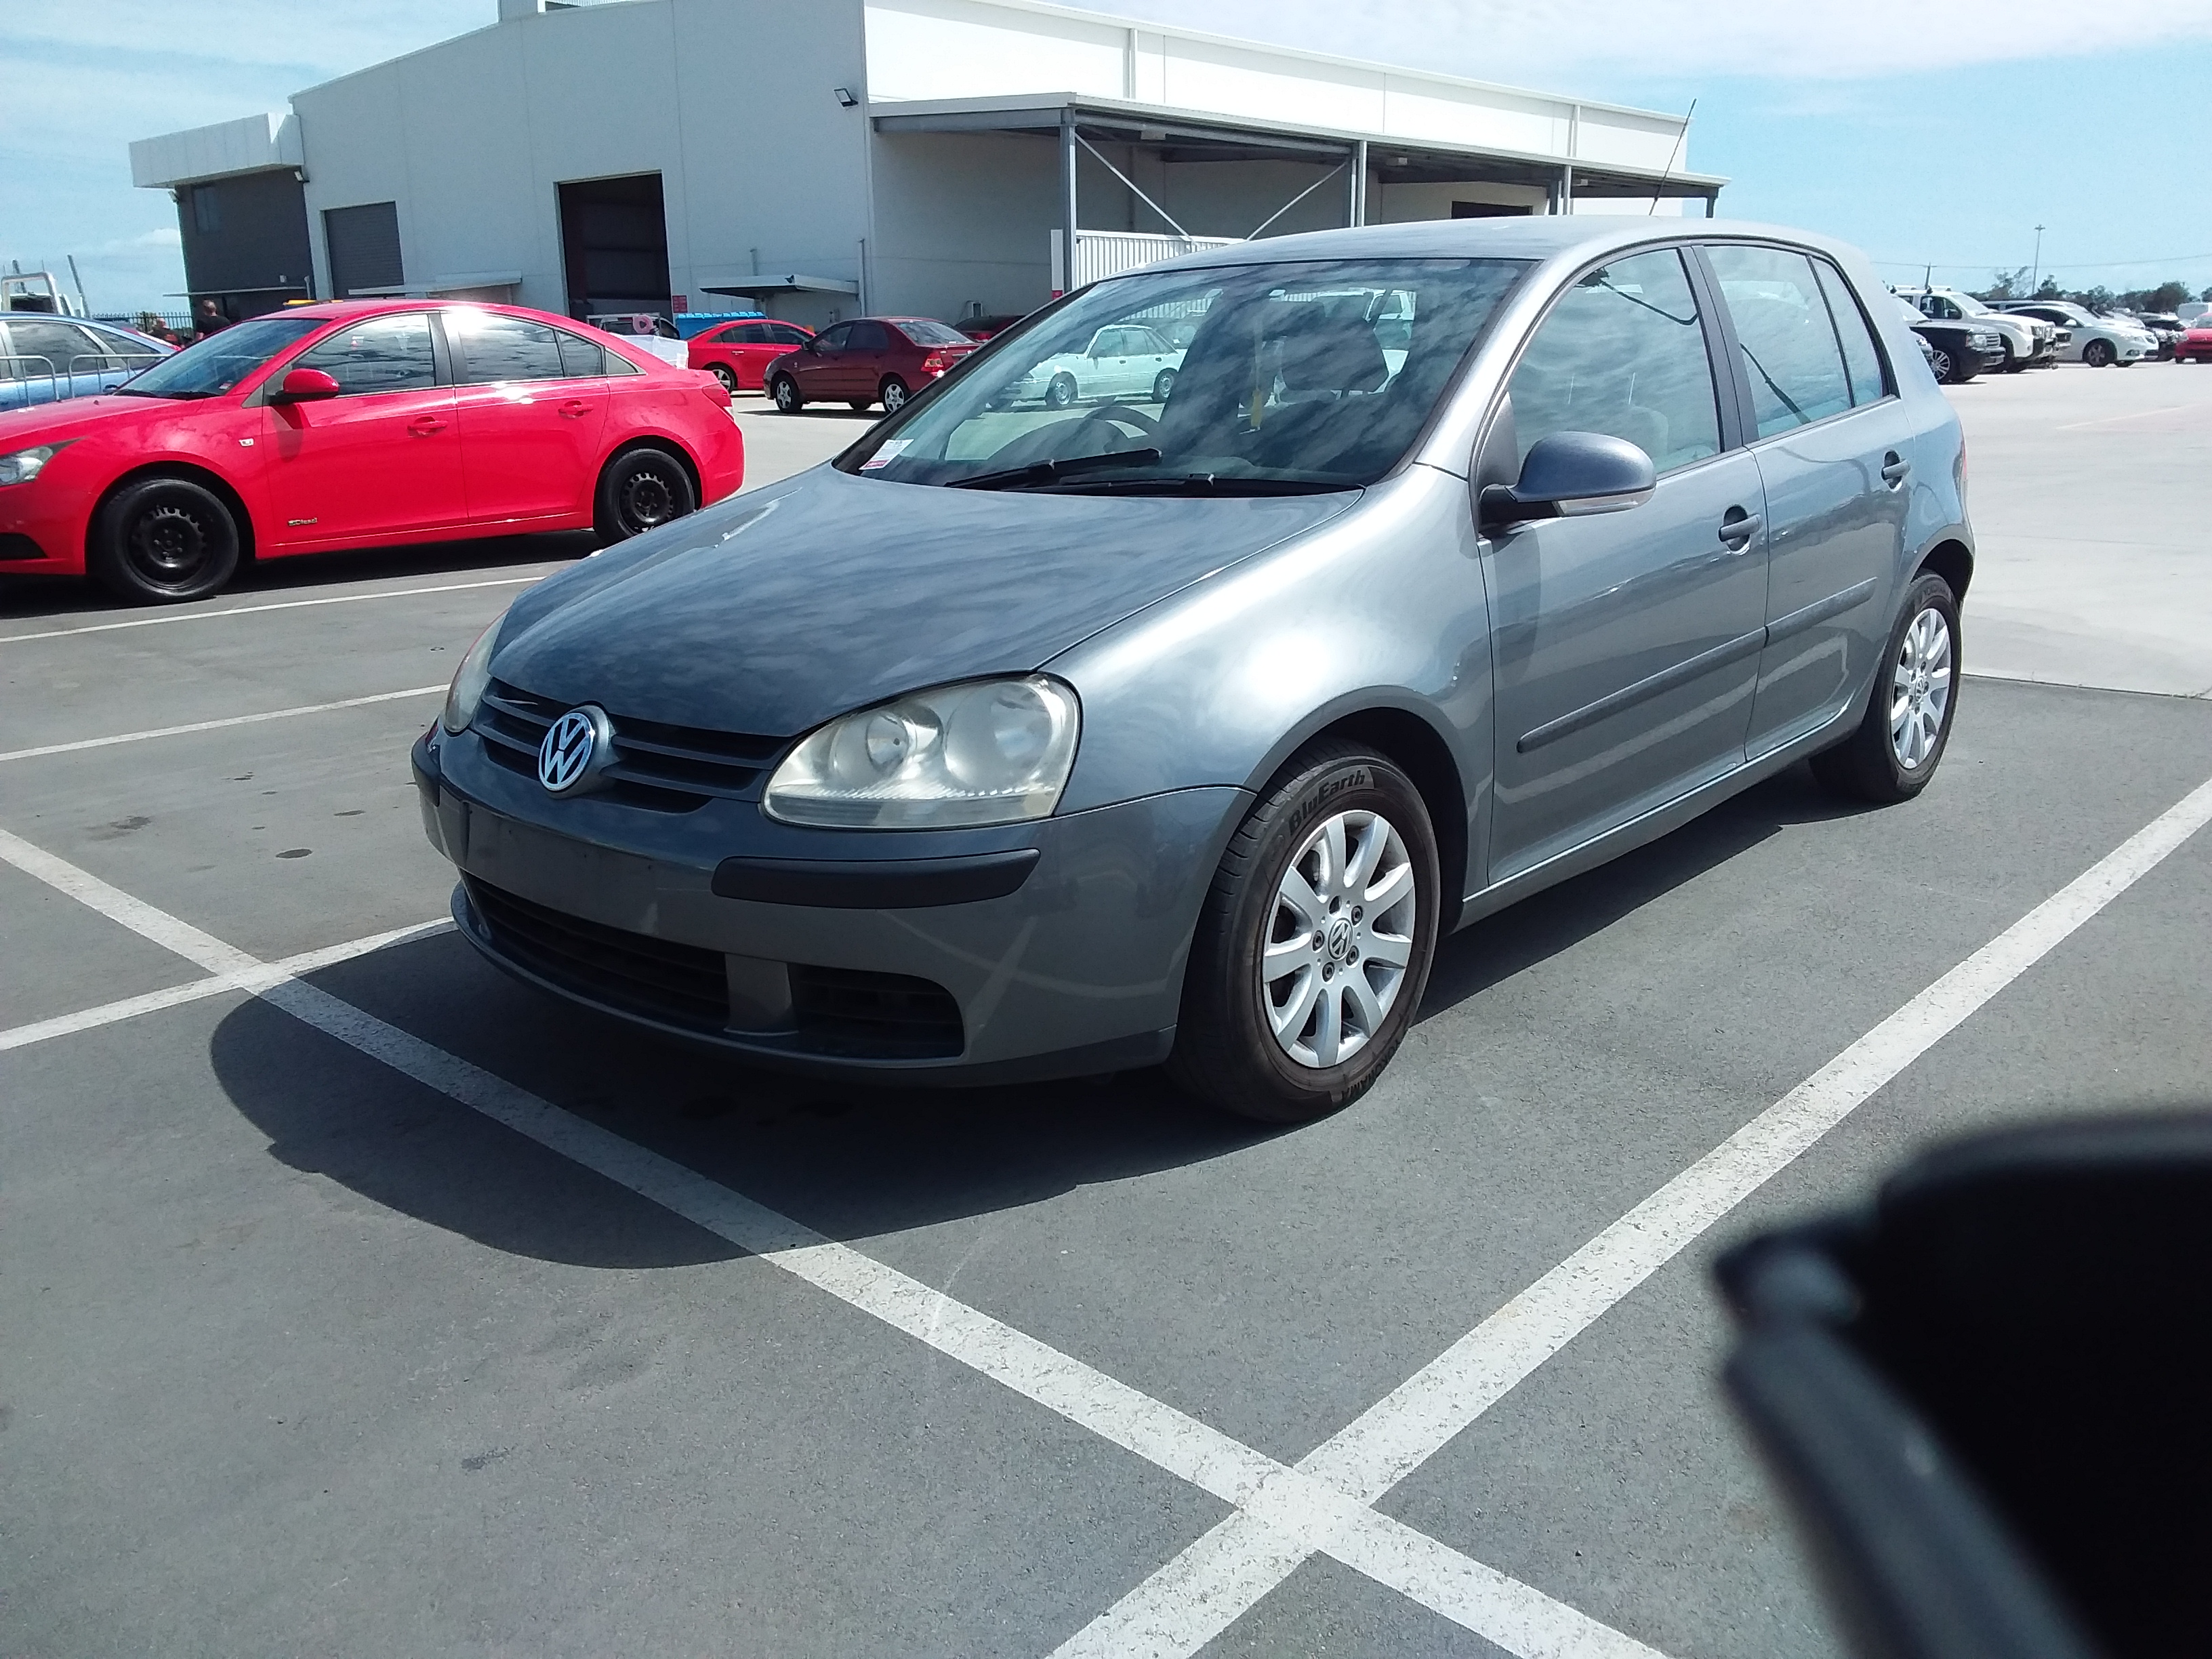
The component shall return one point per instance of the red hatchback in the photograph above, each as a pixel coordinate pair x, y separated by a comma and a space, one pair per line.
2194, 344
364, 423
870, 359
739, 354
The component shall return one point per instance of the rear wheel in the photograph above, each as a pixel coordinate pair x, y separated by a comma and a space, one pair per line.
1310, 956
2098, 354
1059, 391
1907, 725
725, 375
161, 541
1163, 384
892, 394
642, 489
785, 391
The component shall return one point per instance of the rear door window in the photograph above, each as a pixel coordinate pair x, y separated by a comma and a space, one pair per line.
377, 353
869, 337
1623, 352
580, 357
493, 348
1862, 360
1790, 357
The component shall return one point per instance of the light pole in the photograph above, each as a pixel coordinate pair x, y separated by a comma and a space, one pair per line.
2035, 270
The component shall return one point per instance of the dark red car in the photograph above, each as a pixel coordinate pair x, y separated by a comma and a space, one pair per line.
739, 354
869, 360
364, 423
2194, 344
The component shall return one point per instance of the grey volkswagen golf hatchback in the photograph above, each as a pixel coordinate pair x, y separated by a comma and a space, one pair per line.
1032, 738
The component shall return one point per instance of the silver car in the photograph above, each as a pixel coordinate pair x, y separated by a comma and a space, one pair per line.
1019, 743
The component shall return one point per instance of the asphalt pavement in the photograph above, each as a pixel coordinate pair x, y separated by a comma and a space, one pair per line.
360, 1301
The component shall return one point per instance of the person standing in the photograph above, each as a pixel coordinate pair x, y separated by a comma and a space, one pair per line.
207, 318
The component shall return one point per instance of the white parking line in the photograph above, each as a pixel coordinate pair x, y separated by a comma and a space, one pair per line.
110, 1013
1300, 1515
217, 725
168, 616
1202, 1592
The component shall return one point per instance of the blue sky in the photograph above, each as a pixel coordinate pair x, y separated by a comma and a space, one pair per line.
1938, 131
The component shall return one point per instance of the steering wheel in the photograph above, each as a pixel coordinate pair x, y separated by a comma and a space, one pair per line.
1136, 417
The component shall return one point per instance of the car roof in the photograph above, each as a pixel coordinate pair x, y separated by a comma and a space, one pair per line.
1534, 236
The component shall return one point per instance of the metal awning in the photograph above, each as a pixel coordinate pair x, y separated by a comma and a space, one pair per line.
1185, 135
754, 286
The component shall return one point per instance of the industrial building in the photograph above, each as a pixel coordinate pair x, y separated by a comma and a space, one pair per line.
934, 157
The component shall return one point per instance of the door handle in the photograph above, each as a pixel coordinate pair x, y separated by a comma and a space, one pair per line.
1739, 533
1894, 468
575, 408
424, 426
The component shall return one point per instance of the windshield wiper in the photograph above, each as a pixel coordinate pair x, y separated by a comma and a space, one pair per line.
1045, 473
129, 390
1205, 484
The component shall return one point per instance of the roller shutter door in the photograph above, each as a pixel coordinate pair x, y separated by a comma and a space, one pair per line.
364, 247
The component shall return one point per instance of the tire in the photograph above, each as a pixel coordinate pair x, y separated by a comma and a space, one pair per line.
1059, 391
785, 391
2098, 354
1961, 371
1946, 369
164, 541
892, 394
641, 489
1872, 763
725, 375
1163, 384
1228, 1052
860, 405
2013, 365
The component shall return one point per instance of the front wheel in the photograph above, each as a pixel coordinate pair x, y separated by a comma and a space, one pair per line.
1163, 384
1907, 725
641, 489
1310, 956
2098, 354
1940, 361
1059, 391
893, 394
2013, 364
785, 391
163, 541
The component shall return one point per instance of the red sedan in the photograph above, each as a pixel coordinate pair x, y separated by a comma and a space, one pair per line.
870, 359
2194, 344
364, 423
739, 354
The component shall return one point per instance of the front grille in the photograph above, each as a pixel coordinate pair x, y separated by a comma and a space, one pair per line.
660, 768
682, 984
848, 1011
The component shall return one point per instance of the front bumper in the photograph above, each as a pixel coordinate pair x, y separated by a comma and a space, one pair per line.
1054, 948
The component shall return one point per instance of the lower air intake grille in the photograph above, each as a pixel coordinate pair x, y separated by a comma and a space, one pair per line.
681, 984
848, 1011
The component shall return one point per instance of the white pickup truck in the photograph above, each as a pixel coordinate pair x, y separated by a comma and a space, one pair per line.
2029, 342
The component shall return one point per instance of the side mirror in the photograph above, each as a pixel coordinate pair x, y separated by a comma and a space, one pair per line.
307, 386
1568, 475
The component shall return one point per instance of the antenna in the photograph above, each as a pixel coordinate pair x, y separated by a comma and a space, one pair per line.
1671, 154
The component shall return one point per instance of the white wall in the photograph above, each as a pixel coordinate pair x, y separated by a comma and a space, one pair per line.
962, 218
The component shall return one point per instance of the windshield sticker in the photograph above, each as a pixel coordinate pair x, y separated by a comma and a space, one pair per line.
892, 449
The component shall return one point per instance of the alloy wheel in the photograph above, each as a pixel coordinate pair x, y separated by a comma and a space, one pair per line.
1339, 936
1920, 689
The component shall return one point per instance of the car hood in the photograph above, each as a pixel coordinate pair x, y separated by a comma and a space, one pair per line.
47, 424
773, 612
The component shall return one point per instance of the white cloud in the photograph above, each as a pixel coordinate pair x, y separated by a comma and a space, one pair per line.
1537, 41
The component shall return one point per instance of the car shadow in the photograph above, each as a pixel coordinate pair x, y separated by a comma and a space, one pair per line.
23, 596
851, 1160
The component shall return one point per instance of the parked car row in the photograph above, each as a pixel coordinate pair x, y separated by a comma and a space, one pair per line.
2195, 344
1957, 350
2099, 342
358, 423
2024, 341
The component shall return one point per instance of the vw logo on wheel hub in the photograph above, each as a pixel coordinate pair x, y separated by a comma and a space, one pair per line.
577, 747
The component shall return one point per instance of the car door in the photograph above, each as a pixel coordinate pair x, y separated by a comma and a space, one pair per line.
822, 369
868, 357
532, 401
1625, 644
383, 458
1834, 445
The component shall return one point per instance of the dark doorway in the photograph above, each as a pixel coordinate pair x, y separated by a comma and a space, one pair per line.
613, 245
1488, 211
364, 247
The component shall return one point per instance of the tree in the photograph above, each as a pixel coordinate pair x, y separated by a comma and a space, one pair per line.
2048, 288
2206, 296
2007, 285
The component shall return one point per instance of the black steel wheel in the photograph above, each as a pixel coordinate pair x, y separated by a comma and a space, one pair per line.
642, 489
164, 540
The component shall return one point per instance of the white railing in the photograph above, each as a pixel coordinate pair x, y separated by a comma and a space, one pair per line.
1109, 252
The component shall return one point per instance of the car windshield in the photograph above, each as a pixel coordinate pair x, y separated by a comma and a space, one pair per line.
210, 367
926, 331
1971, 306
1259, 378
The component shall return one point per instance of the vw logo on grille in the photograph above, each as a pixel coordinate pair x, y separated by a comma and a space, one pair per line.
577, 747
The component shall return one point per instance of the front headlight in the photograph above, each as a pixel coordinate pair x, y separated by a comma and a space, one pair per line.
990, 751
470, 680
25, 465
